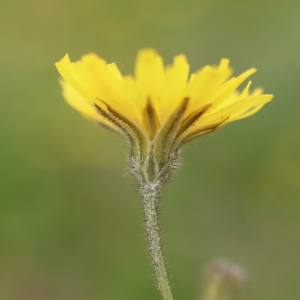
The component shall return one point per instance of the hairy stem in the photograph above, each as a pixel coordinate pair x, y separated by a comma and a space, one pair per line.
150, 195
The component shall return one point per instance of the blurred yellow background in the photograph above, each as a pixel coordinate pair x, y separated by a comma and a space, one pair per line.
70, 217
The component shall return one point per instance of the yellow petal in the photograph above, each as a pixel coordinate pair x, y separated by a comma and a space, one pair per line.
77, 101
149, 72
66, 70
206, 82
234, 97
235, 109
172, 92
228, 88
113, 68
83, 105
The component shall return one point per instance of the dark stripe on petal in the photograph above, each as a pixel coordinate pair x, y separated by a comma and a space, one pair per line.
203, 130
150, 120
164, 139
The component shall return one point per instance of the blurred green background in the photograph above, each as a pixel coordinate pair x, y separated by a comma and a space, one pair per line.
70, 217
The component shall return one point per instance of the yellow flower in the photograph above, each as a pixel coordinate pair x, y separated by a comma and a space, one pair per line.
160, 107
158, 110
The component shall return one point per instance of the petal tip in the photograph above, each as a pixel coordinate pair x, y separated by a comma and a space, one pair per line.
224, 62
180, 59
147, 52
65, 59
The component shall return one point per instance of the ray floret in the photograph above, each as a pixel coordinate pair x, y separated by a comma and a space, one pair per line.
157, 110
160, 107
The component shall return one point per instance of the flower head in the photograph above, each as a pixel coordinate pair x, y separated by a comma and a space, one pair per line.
159, 108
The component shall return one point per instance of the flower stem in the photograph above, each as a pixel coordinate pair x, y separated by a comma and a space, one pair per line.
150, 195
